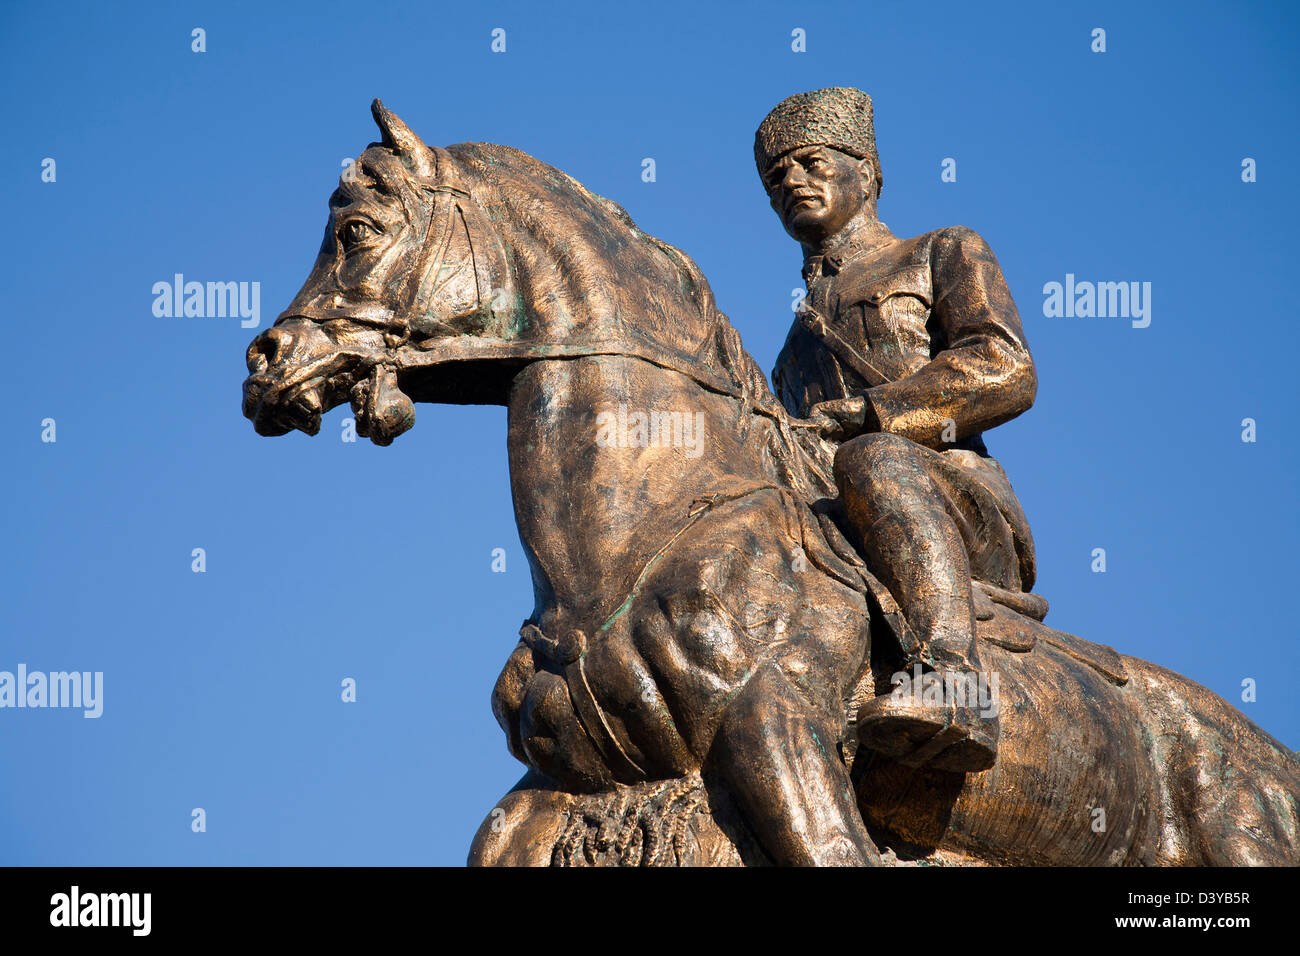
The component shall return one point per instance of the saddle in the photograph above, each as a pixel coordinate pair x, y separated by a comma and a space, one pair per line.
1017, 628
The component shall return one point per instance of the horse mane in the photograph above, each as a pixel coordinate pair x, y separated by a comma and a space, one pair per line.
585, 269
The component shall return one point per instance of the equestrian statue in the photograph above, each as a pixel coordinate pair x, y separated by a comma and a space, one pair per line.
790, 626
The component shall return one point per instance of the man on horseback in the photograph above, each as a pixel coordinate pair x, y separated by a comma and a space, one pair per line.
905, 351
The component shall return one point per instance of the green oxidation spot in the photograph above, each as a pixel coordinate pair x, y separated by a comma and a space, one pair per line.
820, 746
529, 447
1279, 803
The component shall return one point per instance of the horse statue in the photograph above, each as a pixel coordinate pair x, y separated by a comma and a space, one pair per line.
686, 688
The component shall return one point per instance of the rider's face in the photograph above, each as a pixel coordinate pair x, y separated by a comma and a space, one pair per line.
817, 190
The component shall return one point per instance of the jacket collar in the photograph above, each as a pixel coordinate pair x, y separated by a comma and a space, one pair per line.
843, 248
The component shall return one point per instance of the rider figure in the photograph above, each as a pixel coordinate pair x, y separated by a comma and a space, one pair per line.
905, 351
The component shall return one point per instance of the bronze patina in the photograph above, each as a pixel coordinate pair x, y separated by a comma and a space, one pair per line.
906, 350
730, 596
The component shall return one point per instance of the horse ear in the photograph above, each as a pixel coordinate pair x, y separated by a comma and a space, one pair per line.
401, 139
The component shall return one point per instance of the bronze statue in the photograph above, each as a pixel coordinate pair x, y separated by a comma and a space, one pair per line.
687, 689
907, 350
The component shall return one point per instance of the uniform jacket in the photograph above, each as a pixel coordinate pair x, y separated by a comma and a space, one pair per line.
933, 314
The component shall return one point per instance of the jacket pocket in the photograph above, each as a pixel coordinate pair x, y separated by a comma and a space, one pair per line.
895, 316
913, 281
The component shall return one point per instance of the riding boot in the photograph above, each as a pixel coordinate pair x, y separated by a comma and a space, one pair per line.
934, 716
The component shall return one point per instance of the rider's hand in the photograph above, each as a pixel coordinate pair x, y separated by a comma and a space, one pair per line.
840, 419
825, 426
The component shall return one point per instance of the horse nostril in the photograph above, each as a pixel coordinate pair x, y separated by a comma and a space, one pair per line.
255, 360
267, 350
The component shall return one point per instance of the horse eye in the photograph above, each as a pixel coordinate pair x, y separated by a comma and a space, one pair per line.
355, 232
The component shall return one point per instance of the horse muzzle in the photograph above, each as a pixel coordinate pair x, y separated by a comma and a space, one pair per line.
291, 367
298, 371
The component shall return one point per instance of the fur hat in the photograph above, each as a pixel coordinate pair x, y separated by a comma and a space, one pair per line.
839, 117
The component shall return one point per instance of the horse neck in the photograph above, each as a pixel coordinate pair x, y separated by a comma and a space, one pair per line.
598, 488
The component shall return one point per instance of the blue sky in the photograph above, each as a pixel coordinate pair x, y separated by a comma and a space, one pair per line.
328, 560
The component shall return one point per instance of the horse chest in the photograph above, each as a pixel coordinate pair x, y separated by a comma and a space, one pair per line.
606, 455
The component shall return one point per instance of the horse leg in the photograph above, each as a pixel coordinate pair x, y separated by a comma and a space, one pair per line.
524, 826
777, 757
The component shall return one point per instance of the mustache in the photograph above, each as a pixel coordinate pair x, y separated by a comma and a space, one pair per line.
796, 196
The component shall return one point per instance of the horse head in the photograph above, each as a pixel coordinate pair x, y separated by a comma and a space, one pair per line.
407, 259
